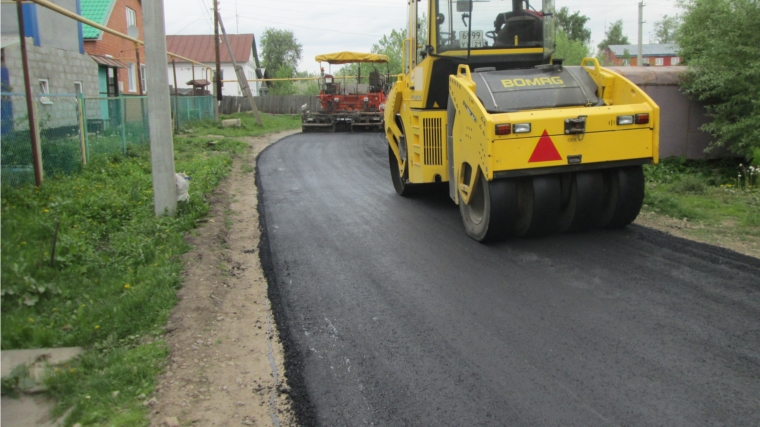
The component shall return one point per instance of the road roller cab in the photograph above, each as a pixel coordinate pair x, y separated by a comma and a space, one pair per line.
527, 145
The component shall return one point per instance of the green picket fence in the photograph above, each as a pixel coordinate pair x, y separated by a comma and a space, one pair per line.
73, 129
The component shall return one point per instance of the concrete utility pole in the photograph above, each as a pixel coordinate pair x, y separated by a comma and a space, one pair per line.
218, 80
241, 77
641, 24
159, 109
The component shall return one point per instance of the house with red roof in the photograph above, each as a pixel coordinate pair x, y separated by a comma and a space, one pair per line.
200, 48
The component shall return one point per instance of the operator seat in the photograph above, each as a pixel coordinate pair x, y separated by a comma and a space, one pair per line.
375, 85
526, 25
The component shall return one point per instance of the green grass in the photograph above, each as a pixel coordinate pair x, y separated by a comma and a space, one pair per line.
249, 127
707, 192
116, 272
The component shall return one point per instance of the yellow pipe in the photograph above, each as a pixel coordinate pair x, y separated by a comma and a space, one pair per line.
72, 15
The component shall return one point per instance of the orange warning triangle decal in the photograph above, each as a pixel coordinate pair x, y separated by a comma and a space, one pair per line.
545, 150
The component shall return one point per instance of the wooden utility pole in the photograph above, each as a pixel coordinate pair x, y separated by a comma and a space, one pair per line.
241, 77
159, 109
218, 79
34, 136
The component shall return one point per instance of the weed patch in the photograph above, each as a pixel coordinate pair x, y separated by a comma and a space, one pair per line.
115, 273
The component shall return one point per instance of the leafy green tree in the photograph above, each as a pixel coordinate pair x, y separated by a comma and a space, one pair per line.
626, 57
570, 51
390, 45
284, 87
281, 53
573, 25
614, 35
665, 29
720, 41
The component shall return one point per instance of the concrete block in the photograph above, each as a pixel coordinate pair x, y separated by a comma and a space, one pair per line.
231, 123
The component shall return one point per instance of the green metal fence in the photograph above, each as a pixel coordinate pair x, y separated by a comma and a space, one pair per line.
73, 129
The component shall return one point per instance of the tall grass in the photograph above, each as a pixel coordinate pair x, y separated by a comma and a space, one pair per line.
115, 274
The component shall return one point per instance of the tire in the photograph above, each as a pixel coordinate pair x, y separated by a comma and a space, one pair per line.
400, 182
492, 210
624, 196
538, 205
584, 208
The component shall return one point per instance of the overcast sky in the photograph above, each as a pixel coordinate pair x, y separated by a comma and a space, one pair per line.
324, 26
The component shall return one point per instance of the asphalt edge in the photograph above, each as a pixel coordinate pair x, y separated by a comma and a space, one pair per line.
303, 408
703, 251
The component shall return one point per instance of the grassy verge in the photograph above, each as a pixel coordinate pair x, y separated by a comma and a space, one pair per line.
249, 127
116, 271
720, 199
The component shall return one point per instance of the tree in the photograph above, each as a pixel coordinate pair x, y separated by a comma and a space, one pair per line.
390, 45
665, 29
613, 35
280, 49
721, 44
283, 87
573, 25
570, 51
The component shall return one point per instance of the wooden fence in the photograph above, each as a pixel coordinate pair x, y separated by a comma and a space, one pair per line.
273, 104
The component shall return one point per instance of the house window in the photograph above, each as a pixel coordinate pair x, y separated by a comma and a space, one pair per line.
143, 81
644, 61
45, 90
131, 18
658, 61
675, 60
77, 88
131, 77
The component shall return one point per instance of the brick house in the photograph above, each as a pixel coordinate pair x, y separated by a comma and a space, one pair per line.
655, 55
118, 58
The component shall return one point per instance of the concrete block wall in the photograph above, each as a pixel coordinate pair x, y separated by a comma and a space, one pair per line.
61, 68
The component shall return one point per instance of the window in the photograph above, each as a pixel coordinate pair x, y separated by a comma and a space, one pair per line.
645, 61
77, 88
131, 77
658, 61
675, 60
142, 78
131, 18
45, 90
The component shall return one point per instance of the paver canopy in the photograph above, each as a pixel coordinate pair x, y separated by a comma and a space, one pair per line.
351, 57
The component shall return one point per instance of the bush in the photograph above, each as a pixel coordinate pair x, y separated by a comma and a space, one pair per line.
689, 184
724, 68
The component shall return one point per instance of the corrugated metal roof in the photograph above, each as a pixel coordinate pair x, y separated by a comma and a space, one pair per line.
646, 49
98, 11
108, 62
201, 47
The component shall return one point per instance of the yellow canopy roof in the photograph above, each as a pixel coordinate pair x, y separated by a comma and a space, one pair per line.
350, 57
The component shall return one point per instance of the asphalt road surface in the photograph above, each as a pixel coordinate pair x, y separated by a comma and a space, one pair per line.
392, 316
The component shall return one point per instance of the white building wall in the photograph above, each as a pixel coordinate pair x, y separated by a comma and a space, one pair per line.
185, 74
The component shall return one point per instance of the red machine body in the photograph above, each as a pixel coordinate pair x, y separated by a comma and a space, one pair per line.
348, 106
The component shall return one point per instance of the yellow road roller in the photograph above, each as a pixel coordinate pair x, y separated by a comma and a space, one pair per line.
528, 146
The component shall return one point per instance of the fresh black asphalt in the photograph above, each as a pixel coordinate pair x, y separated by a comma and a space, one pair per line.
391, 316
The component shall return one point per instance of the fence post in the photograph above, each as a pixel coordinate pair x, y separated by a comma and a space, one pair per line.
82, 129
187, 107
123, 105
198, 104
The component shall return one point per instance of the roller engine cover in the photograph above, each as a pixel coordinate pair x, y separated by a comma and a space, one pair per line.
507, 91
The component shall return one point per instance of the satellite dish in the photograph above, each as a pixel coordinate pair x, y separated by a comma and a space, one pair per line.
133, 32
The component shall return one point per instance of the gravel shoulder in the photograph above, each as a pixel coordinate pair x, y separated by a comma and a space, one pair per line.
226, 360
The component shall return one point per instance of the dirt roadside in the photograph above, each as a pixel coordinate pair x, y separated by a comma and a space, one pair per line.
724, 237
226, 364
